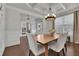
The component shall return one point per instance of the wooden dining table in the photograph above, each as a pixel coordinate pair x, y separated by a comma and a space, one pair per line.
44, 39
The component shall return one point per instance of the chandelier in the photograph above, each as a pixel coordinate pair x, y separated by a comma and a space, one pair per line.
50, 16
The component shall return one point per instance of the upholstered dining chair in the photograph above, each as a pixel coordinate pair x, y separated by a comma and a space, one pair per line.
59, 45
33, 46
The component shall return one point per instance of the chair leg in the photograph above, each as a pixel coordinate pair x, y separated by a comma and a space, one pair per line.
58, 54
29, 52
63, 52
66, 47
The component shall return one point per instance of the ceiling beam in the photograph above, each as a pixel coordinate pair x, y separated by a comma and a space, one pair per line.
28, 5
33, 7
62, 5
67, 11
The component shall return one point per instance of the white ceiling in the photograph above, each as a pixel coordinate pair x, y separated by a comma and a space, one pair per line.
42, 8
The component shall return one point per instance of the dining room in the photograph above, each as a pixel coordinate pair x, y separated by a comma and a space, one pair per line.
52, 32
39, 29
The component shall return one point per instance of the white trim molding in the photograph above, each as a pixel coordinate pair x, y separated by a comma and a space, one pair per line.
13, 43
76, 42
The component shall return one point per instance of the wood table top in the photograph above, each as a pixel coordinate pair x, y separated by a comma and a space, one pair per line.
45, 38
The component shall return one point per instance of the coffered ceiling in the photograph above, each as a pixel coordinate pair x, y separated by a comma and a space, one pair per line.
42, 8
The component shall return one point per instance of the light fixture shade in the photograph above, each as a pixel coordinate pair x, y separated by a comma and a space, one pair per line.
50, 16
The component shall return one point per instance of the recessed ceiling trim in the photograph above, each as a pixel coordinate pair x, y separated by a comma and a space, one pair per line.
42, 9
24, 11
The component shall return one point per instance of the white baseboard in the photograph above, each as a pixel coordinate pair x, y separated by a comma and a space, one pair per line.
13, 43
76, 42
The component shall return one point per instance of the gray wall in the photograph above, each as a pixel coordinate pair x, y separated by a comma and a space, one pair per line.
12, 27
2, 30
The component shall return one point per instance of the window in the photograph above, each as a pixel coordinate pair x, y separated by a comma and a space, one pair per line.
64, 23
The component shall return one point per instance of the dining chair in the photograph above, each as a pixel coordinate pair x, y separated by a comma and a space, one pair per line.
59, 45
69, 38
33, 46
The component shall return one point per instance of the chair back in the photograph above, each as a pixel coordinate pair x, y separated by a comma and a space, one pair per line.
61, 41
32, 43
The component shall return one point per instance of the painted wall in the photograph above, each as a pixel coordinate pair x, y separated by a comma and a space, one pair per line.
12, 27
1, 34
2, 30
45, 26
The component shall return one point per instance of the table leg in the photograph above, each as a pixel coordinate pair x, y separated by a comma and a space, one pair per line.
46, 49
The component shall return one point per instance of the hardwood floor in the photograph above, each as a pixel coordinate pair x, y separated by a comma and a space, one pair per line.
23, 49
